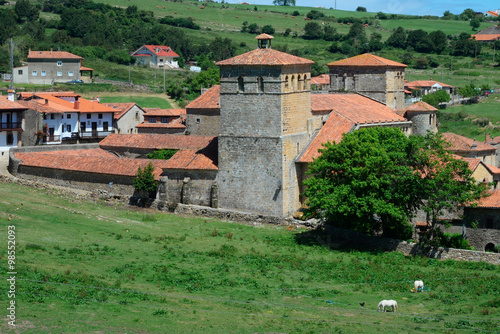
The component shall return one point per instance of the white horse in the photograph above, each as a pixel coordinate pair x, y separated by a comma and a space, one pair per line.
385, 305
419, 286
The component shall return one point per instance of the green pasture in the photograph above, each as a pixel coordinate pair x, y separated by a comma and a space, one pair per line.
91, 266
142, 101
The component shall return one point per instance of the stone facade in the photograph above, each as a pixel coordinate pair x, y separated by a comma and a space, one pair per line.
487, 233
384, 84
50, 70
203, 122
422, 122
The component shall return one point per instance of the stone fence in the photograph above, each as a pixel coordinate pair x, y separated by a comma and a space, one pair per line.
337, 236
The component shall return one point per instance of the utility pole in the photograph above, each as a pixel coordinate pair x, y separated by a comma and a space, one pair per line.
11, 64
163, 77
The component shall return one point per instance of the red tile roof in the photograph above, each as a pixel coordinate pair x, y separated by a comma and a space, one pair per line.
83, 68
265, 57
52, 55
366, 60
155, 141
120, 108
462, 144
191, 159
421, 106
5, 104
164, 112
424, 84
492, 13
264, 36
492, 201
67, 160
332, 131
56, 103
323, 79
207, 100
473, 162
159, 50
175, 124
357, 108
486, 37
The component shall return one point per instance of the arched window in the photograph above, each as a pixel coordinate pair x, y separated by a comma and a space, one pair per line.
430, 119
260, 84
287, 84
241, 84
294, 88
299, 78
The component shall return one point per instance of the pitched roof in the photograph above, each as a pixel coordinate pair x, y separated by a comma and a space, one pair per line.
462, 144
264, 36
424, 83
159, 50
492, 13
164, 112
175, 124
486, 37
322, 79
366, 60
421, 106
332, 131
492, 201
357, 108
120, 108
5, 104
265, 57
83, 68
193, 159
60, 102
155, 141
207, 100
52, 54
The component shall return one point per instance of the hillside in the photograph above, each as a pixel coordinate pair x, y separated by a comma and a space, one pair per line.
87, 265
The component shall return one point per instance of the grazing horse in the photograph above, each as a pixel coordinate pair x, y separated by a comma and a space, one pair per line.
419, 286
385, 305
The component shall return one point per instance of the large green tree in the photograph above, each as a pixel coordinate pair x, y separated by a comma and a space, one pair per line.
376, 179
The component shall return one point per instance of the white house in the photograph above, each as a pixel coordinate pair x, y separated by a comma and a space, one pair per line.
158, 56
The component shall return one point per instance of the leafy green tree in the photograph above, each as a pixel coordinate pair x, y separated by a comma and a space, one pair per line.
221, 48
439, 41
144, 179
268, 29
284, 2
163, 154
25, 11
419, 40
315, 15
253, 28
475, 23
312, 30
8, 25
468, 91
205, 79
464, 45
397, 39
375, 43
437, 97
468, 14
376, 179
361, 9
330, 33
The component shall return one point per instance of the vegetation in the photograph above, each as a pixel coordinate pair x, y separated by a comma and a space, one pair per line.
356, 184
436, 98
144, 180
94, 266
164, 154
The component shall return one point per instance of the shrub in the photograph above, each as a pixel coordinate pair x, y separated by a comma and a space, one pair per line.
268, 29
164, 154
144, 180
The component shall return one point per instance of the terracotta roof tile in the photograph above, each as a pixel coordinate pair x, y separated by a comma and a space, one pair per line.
5, 104
355, 107
175, 124
52, 54
83, 68
57, 101
164, 112
424, 84
193, 159
207, 100
493, 169
462, 144
159, 50
486, 37
332, 131
265, 57
492, 201
264, 36
366, 60
120, 108
155, 141
421, 106
473, 162
323, 79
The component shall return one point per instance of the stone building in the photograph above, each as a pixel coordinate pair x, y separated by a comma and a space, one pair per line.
423, 117
203, 114
470, 148
163, 121
379, 78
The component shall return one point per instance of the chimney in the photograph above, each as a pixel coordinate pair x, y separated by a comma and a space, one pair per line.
488, 139
50, 50
474, 145
46, 101
77, 103
11, 95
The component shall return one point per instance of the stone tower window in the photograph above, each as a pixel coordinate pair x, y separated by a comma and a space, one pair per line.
241, 84
299, 78
287, 84
430, 119
260, 84
293, 84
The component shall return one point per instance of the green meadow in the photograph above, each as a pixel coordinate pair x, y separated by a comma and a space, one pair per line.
90, 266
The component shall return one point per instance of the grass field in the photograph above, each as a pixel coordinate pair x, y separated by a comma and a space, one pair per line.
89, 266
454, 120
142, 101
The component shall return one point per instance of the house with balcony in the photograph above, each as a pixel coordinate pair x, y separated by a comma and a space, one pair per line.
66, 116
158, 56
163, 121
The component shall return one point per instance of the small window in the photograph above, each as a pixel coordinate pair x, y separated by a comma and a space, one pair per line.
89, 116
52, 116
59, 73
68, 128
489, 222
68, 116
164, 119
20, 72
430, 119
59, 63
10, 138
70, 73
198, 120
34, 73
44, 116
44, 73
99, 116
105, 126
152, 119
241, 84
260, 84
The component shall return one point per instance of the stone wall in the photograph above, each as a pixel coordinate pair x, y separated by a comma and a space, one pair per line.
203, 122
422, 122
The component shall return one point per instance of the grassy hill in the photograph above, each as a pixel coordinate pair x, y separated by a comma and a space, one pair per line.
92, 266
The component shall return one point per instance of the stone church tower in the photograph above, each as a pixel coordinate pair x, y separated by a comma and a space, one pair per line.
376, 77
265, 102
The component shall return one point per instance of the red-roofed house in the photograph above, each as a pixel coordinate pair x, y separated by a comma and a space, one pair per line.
470, 148
163, 121
126, 117
158, 56
47, 67
424, 87
203, 114
321, 82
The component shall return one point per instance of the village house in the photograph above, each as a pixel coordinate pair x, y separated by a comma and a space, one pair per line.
47, 67
158, 56
203, 114
126, 117
470, 148
321, 82
163, 121
420, 88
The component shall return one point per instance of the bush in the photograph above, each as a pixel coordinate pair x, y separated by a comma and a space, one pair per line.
164, 154
144, 179
268, 29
